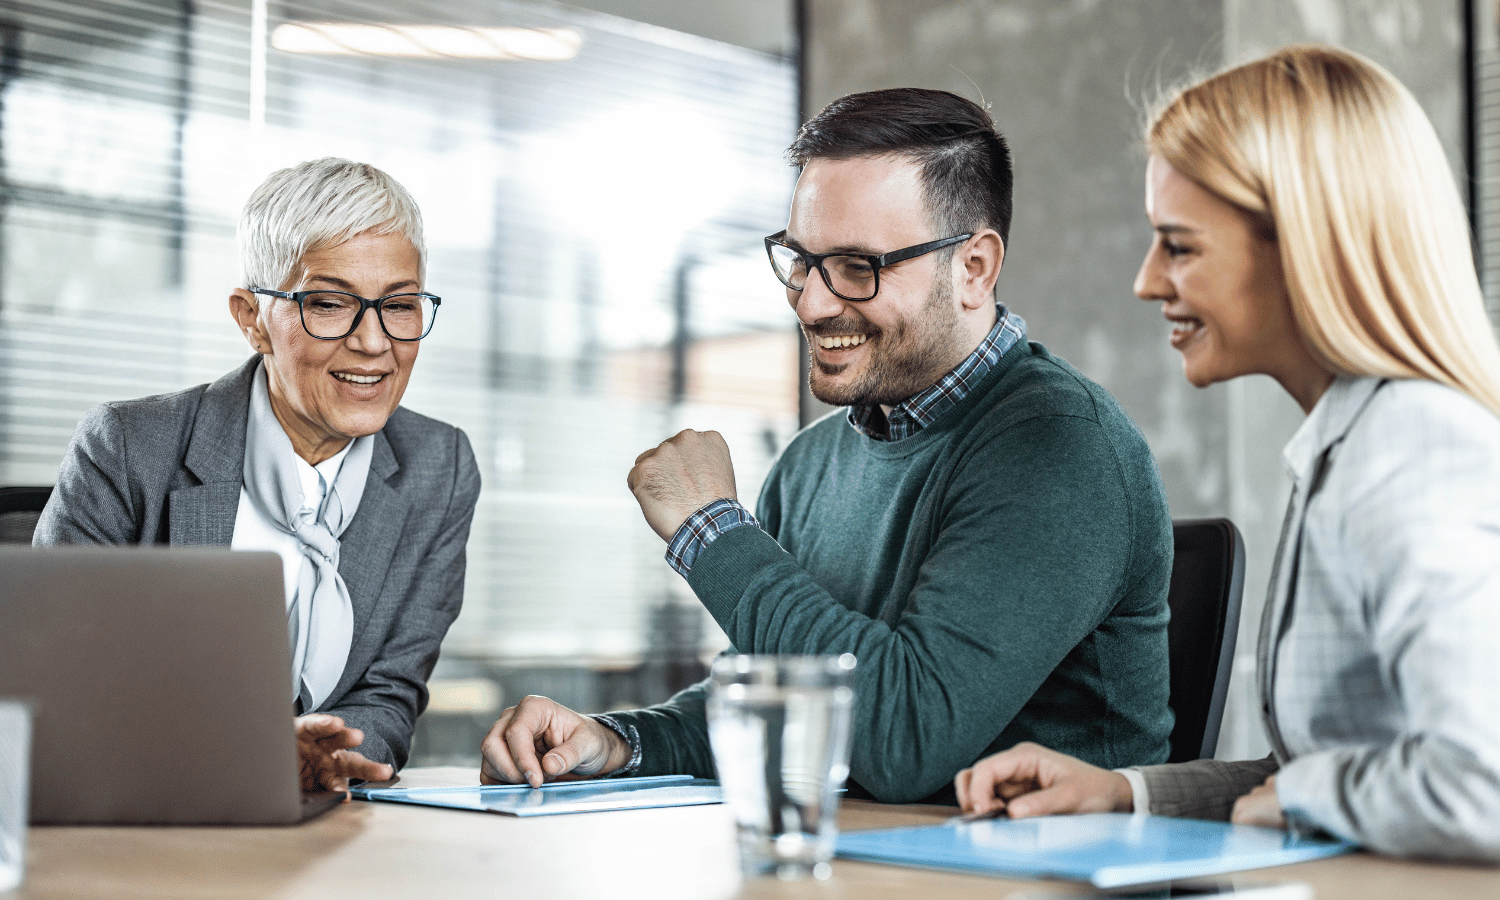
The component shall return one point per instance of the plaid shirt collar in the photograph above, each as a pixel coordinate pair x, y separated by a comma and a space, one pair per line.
922, 409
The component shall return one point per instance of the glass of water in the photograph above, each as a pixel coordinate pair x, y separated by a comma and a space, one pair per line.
779, 726
15, 775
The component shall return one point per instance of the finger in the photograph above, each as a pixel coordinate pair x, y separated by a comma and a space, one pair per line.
332, 781
343, 739
1081, 789
1016, 787
318, 725
961, 789
1237, 813
972, 798
646, 455
527, 726
356, 765
1005, 774
520, 741
1051, 801
496, 765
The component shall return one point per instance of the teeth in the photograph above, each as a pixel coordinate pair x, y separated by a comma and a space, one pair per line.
1185, 328
840, 341
357, 379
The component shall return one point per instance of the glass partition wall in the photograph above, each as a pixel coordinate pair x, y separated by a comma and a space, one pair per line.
594, 191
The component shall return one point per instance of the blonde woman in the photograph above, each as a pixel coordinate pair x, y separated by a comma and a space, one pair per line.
1307, 228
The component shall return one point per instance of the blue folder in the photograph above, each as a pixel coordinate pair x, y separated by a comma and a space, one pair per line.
558, 797
1107, 850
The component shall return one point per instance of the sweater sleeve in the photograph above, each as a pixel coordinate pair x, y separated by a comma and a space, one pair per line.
1030, 550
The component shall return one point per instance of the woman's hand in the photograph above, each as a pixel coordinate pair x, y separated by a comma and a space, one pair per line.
1030, 780
327, 760
1260, 807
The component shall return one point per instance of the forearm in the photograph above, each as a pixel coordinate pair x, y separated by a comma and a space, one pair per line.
1203, 788
674, 735
932, 692
1423, 796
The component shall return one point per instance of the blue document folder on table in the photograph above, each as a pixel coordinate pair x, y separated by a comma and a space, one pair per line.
558, 797
1107, 850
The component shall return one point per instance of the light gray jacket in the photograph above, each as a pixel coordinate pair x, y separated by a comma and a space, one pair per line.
1377, 653
168, 470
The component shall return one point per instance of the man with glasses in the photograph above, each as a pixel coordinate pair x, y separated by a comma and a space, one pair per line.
983, 527
305, 450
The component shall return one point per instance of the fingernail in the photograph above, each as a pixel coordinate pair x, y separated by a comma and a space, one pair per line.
531, 778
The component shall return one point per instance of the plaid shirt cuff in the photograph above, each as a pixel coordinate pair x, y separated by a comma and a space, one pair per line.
700, 530
631, 736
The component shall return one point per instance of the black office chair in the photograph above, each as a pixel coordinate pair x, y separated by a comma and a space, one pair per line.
1208, 577
20, 507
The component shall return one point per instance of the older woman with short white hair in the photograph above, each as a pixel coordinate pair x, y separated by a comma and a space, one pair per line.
306, 451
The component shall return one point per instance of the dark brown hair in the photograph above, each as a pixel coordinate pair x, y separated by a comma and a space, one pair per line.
964, 162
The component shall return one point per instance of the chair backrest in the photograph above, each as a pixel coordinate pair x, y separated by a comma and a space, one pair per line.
1208, 578
20, 507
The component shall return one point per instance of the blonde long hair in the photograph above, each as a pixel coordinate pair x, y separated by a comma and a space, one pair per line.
1329, 155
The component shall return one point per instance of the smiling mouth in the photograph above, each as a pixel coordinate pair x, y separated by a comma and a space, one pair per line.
1184, 330
841, 341
358, 379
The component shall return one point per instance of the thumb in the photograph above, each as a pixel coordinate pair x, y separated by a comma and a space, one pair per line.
563, 758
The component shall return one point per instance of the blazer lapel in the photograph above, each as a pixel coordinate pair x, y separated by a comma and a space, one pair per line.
203, 514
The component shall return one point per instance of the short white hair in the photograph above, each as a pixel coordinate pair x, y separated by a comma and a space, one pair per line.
318, 204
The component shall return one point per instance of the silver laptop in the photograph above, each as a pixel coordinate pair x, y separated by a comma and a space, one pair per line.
161, 685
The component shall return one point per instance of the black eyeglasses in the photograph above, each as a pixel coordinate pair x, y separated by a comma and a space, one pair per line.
334, 315
851, 276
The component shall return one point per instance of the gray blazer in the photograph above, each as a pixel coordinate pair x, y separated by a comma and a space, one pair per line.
168, 470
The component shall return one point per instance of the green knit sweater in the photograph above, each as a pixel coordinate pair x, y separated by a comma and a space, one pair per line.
1001, 576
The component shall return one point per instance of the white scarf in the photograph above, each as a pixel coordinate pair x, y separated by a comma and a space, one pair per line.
320, 616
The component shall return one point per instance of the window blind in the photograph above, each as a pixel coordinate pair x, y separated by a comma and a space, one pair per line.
593, 227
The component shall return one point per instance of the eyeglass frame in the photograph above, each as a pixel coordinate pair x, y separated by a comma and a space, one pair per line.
815, 260
364, 304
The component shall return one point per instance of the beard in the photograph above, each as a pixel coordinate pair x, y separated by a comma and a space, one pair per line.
902, 360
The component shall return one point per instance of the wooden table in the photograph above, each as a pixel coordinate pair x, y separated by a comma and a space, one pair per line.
362, 851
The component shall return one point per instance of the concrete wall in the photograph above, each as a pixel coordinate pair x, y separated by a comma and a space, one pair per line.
1064, 81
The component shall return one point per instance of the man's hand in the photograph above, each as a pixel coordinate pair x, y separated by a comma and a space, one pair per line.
324, 749
1260, 807
1030, 780
679, 476
572, 745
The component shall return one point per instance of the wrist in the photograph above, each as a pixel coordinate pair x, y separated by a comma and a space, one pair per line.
1122, 793
624, 742
702, 528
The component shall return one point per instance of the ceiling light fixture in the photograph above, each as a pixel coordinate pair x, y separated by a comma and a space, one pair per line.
427, 41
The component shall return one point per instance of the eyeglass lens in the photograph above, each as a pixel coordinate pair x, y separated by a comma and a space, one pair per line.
851, 277
331, 314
